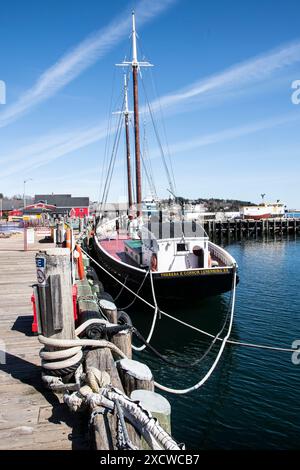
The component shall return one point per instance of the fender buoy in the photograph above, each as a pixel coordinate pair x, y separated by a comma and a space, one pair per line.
80, 266
153, 263
209, 260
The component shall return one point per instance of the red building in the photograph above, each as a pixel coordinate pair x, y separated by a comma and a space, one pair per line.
65, 204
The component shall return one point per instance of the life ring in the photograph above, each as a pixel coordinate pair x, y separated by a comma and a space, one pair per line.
153, 263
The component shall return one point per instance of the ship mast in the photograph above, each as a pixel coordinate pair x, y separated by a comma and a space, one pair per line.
135, 64
128, 156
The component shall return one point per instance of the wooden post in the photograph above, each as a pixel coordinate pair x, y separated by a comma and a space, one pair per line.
109, 310
55, 294
81, 225
60, 237
123, 341
25, 237
135, 375
158, 406
104, 425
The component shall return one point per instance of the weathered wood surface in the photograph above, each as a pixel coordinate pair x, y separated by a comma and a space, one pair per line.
135, 376
30, 416
123, 341
104, 426
56, 306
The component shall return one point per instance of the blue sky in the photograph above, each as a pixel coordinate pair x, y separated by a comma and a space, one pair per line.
223, 74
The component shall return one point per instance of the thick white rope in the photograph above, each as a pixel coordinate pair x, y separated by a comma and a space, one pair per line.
205, 333
216, 361
70, 350
141, 348
97, 392
87, 323
144, 418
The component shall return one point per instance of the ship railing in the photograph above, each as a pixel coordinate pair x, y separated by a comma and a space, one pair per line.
221, 254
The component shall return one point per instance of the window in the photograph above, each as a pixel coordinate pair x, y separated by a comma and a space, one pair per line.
181, 247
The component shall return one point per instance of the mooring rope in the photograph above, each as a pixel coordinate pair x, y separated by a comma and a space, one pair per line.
205, 333
141, 348
216, 361
69, 351
134, 293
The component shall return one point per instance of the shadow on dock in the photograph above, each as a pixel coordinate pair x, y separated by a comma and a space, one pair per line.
30, 374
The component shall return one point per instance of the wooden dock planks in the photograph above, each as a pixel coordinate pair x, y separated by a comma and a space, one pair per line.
31, 417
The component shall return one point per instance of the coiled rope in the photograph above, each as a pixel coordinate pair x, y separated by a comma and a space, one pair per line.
96, 391
70, 350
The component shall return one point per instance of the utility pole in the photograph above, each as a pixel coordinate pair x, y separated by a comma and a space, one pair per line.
24, 188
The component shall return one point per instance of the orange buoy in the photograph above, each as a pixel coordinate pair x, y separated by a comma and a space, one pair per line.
68, 239
153, 263
80, 266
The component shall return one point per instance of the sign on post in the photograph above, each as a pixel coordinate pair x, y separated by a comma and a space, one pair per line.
40, 271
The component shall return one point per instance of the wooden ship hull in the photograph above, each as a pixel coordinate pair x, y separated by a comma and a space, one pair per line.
188, 286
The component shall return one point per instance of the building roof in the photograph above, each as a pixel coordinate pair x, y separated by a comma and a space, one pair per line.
11, 204
62, 200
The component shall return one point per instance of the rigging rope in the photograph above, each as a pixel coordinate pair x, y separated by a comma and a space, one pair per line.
159, 141
112, 161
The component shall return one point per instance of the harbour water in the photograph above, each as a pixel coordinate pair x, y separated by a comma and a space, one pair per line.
252, 399
10, 227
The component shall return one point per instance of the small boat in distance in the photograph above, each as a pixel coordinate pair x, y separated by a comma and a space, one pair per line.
152, 252
264, 210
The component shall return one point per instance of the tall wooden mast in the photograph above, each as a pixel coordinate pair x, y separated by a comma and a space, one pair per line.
128, 156
135, 66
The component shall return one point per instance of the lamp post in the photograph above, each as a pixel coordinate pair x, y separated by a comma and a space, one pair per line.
1, 204
24, 196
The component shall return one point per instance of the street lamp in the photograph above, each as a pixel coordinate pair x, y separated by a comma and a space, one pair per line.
1, 206
24, 196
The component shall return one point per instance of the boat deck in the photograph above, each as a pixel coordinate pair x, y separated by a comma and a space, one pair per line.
115, 247
31, 417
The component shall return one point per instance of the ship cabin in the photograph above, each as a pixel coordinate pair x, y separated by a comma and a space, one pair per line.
170, 246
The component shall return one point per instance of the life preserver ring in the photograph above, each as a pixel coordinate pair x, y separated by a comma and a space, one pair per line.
153, 263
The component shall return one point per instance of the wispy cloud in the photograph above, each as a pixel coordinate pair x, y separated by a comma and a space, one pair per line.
228, 134
259, 68
69, 66
240, 75
53, 147
37, 157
